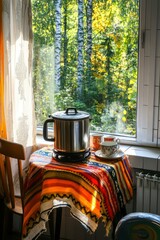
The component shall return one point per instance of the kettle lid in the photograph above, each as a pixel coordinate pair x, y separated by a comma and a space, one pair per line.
70, 114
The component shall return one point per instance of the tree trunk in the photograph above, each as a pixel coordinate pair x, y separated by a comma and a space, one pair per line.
89, 41
89, 29
57, 44
80, 47
65, 44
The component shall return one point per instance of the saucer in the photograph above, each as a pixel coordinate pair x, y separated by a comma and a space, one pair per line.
115, 155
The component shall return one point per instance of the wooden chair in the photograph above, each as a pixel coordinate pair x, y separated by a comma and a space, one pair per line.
10, 151
13, 204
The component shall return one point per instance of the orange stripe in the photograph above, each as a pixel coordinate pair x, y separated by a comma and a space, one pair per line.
66, 187
2, 116
72, 185
32, 207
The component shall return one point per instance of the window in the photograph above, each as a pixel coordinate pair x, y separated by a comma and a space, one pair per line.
86, 56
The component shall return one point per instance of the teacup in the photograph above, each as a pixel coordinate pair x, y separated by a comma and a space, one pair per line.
95, 140
109, 147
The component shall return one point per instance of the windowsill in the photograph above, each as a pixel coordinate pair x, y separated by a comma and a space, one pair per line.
144, 158
139, 151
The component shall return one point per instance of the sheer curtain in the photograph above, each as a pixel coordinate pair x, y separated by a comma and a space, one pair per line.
18, 91
19, 106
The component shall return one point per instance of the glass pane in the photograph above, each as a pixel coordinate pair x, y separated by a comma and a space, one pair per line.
86, 56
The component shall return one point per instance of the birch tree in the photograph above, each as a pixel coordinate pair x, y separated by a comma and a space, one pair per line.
89, 38
80, 42
57, 44
65, 43
89, 29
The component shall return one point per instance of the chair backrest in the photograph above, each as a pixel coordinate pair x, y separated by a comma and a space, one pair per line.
11, 151
138, 225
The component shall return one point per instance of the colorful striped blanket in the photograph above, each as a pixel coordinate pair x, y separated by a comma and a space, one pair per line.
93, 190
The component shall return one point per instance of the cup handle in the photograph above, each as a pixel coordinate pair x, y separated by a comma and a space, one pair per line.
118, 140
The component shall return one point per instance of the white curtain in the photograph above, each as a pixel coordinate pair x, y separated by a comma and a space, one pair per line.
19, 104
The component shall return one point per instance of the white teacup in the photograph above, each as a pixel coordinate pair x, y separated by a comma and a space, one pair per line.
109, 147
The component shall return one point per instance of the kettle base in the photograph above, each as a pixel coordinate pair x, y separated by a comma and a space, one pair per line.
71, 157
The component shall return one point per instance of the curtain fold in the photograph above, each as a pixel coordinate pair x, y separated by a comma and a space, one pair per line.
19, 102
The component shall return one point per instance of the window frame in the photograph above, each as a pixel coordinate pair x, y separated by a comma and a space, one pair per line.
147, 105
147, 119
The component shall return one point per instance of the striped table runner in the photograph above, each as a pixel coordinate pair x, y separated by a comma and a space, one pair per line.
93, 190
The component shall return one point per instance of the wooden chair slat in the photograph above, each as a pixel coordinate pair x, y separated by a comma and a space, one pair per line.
10, 181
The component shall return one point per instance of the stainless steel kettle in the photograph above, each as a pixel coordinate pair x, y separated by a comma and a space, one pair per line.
71, 130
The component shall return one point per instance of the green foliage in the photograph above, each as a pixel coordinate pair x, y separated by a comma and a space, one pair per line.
109, 81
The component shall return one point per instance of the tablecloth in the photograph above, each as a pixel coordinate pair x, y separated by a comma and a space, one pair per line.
95, 189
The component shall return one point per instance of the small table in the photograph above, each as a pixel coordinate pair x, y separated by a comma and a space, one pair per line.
93, 190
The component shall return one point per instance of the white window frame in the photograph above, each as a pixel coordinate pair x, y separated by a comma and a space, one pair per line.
149, 75
148, 113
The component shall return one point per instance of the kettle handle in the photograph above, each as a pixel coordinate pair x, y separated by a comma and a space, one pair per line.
45, 130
